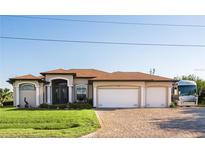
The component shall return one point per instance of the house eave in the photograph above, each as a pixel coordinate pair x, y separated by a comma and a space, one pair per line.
12, 80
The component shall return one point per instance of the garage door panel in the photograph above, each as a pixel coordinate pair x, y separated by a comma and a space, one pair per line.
121, 98
156, 97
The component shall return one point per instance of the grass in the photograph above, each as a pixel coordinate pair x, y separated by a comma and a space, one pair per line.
46, 123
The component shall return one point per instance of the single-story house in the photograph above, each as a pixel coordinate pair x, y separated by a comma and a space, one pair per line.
107, 90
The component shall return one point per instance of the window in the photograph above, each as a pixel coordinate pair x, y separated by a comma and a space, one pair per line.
27, 87
81, 92
187, 90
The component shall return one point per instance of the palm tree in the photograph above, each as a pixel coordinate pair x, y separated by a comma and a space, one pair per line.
5, 95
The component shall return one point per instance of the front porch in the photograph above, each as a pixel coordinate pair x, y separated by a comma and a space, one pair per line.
58, 91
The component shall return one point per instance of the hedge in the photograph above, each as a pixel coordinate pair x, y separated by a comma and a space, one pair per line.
76, 105
8, 103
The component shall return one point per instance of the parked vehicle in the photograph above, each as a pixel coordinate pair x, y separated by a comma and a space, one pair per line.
185, 93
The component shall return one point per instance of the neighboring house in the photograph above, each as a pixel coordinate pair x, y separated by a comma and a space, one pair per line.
107, 90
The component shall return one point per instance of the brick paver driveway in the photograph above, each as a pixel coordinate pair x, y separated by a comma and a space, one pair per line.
180, 122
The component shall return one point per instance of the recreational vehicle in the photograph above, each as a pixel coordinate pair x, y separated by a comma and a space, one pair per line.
185, 93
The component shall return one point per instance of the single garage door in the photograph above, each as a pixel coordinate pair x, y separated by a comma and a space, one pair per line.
118, 97
156, 97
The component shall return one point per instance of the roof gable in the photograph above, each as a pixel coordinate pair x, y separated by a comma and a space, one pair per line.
89, 73
57, 71
28, 76
81, 73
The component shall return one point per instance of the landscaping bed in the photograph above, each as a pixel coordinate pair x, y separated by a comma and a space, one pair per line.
76, 105
47, 123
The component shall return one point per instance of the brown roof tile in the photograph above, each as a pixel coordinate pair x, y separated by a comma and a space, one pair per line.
90, 73
98, 75
26, 77
133, 76
41, 77
57, 71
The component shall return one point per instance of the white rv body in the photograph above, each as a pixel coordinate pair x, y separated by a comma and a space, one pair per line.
185, 93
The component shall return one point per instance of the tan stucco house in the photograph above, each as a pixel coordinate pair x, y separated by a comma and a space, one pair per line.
107, 90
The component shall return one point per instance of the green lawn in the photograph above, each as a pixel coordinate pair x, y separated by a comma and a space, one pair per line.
46, 123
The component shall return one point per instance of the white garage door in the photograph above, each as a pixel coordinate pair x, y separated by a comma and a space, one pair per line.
118, 98
156, 97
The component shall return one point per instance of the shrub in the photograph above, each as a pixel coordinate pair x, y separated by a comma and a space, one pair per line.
5, 95
173, 105
44, 106
53, 106
80, 105
90, 101
8, 103
202, 102
58, 106
201, 98
76, 105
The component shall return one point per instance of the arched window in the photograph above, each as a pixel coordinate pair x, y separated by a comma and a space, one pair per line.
27, 86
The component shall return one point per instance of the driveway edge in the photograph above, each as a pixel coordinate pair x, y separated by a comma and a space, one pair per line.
93, 133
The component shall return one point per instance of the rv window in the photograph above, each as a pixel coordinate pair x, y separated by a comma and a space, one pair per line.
187, 90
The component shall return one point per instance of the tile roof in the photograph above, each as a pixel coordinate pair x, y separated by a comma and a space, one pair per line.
27, 77
57, 71
90, 73
41, 77
133, 76
98, 75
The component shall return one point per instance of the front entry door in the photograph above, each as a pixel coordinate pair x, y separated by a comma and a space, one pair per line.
60, 93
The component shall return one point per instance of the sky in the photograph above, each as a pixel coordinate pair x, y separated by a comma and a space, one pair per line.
19, 57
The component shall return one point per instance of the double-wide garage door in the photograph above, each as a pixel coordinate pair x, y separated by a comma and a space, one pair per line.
118, 97
110, 97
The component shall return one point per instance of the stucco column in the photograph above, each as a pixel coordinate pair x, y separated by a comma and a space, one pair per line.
41, 100
169, 95
70, 93
94, 97
48, 94
17, 95
37, 96
142, 96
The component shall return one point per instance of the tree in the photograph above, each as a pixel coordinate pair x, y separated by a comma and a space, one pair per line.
200, 82
5, 95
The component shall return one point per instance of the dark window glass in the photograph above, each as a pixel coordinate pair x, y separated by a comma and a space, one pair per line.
59, 91
81, 91
187, 90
